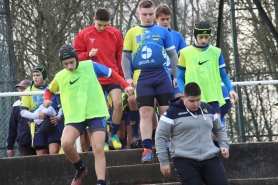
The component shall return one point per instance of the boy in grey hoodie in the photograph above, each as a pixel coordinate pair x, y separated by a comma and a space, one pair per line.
188, 122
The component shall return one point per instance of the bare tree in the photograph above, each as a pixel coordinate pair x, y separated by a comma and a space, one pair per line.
41, 27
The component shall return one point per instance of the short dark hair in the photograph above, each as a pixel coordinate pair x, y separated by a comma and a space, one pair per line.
192, 89
102, 14
162, 9
145, 4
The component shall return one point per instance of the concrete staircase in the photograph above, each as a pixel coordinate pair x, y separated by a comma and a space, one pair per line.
249, 164
126, 168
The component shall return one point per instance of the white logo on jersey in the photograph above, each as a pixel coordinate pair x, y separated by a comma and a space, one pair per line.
182, 113
167, 63
146, 52
92, 40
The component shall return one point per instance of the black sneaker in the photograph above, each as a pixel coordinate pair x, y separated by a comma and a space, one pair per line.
137, 142
79, 175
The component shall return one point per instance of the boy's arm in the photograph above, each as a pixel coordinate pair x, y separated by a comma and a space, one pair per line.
47, 98
162, 134
174, 61
31, 115
103, 71
225, 79
126, 65
13, 124
60, 113
119, 50
48, 93
180, 79
181, 72
219, 130
80, 48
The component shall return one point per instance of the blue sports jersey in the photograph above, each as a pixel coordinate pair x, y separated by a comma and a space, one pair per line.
178, 42
148, 45
32, 103
101, 70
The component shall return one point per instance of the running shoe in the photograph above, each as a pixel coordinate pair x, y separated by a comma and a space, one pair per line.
147, 156
79, 175
115, 142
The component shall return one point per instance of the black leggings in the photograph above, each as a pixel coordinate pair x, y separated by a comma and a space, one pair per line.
192, 172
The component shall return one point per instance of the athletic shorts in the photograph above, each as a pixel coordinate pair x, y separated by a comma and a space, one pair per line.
110, 87
153, 83
224, 110
94, 124
42, 140
126, 117
125, 114
192, 172
215, 106
26, 150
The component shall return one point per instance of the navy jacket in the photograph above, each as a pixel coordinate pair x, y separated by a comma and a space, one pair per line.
19, 129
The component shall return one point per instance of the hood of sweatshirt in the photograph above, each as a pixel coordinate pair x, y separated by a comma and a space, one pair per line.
177, 102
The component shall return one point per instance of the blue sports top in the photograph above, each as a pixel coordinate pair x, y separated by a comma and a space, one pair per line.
178, 42
148, 45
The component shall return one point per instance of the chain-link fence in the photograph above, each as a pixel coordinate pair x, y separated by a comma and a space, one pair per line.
7, 72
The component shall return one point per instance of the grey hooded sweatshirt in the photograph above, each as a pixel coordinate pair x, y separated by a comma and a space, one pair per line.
189, 132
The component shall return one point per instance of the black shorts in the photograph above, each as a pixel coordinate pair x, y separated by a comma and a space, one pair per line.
26, 150
192, 172
110, 87
215, 106
162, 100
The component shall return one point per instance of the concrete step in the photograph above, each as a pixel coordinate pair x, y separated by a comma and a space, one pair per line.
138, 174
127, 157
248, 164
170, 183
254, 181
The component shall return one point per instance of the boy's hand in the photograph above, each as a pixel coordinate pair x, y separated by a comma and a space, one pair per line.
10, 153
47, 103
166, 170
233, 96
54, 120
224, 152
93, 52
175, 84
41, 115
131, 82
129, 90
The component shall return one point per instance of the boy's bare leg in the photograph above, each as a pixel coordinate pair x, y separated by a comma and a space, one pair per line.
69, 136
97, 140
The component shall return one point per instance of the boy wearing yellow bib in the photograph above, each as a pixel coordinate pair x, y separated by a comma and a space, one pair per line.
204, 64
83, 105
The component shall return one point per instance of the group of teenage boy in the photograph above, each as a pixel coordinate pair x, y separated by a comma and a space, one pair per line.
151, 65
